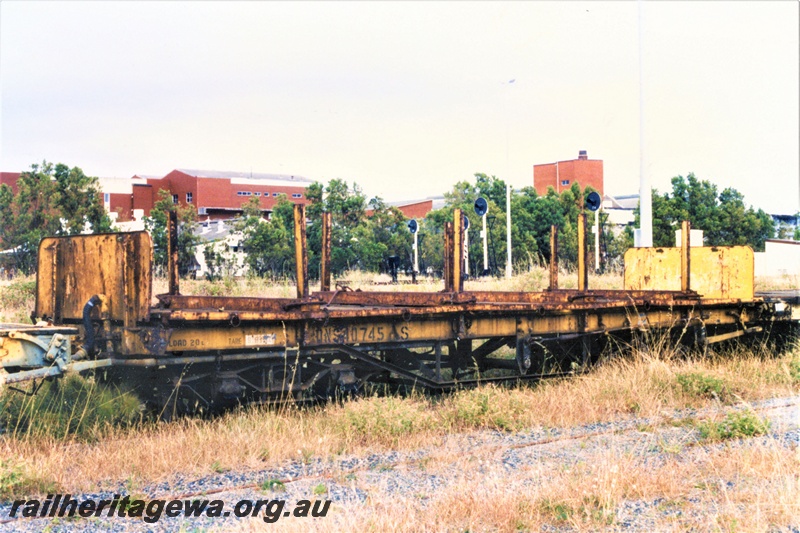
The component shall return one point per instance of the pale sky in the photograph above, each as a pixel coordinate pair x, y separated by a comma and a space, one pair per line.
406, 98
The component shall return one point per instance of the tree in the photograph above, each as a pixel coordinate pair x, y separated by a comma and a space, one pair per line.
80, 201
50, 200
462, 196
530, 225
269, 244
723, 217
156, 225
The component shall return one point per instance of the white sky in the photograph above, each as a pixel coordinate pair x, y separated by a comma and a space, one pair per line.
406, 98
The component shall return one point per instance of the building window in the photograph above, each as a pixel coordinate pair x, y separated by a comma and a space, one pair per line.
297, 195
564, 182
275, 194
188, 197
258, 194
174, 198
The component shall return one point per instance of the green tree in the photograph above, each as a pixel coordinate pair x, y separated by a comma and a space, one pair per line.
462, 196
156, 225
530, 224
269, 244
50, 200
723, 217
80, 201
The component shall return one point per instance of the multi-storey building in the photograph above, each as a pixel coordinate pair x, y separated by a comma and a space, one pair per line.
562, 174
218, 195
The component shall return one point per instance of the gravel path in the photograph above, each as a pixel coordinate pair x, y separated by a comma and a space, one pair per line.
491, 460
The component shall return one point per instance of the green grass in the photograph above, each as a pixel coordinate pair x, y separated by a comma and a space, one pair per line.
19, 480
275, 485
72, 406
17, 300
699, 385
734, 426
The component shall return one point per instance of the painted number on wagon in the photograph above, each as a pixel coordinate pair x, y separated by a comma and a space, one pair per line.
357, 334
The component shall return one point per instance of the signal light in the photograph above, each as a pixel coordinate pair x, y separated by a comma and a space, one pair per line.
481, 206
593, 201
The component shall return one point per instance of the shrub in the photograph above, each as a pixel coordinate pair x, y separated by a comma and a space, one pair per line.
73, 405
698, 385
734, 426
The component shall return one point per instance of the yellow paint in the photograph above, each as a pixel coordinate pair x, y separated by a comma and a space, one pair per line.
719, 272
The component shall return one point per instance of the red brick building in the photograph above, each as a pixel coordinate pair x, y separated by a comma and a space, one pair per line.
218, 195
417, 209
10, 179
562, 174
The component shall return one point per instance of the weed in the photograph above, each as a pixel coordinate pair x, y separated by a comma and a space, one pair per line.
17, 481
320, 489
275, 485
10, 478
306, 455
699, 385
486, 407
385, 419
217, 467
794, 368
734, 426
17, 300
71, 406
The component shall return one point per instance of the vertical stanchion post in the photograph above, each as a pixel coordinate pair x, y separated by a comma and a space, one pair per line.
325, 256
448, 257
553, 258
300, 252
686, 228
458, 250
172, 253
583, 282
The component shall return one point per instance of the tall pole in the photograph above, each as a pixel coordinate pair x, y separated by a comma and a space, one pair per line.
597, 241
508, 191
508, 231
485, 246
583, 279
416, 252
645, 193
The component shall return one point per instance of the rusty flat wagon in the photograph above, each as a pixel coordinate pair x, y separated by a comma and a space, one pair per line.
94, 311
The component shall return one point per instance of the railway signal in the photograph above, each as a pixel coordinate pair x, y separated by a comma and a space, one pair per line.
413, 227
481, 208
593, 203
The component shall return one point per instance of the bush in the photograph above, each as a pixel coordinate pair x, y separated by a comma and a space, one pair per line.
70, 406
735, 426
700, 385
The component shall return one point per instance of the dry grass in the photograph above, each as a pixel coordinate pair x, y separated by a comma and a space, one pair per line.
751, 488
17, 299
743, 488
777, 283
252, 437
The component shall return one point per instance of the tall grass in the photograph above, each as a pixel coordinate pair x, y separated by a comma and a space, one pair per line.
246, 438
17, 299
73, 407
75, 434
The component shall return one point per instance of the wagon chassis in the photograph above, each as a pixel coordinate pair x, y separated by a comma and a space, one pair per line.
189, 352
